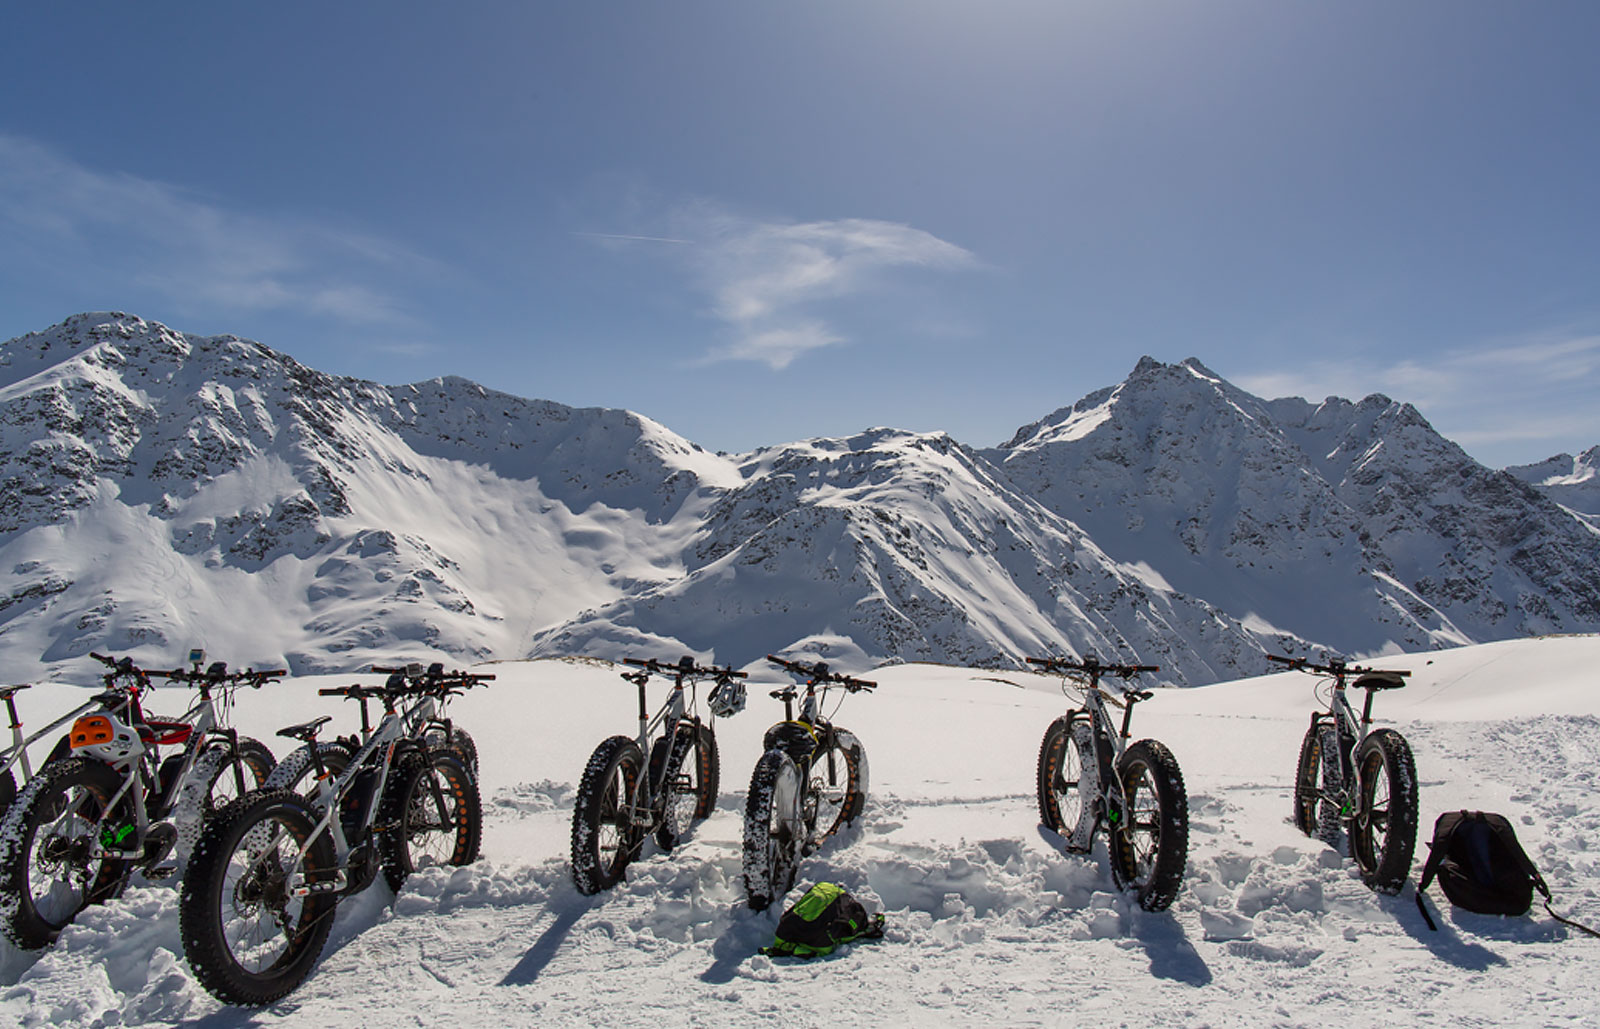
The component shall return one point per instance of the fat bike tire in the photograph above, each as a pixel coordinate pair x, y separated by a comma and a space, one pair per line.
835, 790
1316, 784
687, 772
1066, 783
8, 791
47, 874
431, 816
297, 772
774, 829
458, 743
603, 835
1383, 833
1149, 848
248, 941
212, 786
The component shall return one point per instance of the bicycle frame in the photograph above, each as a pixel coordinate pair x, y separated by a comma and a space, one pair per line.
387, 736
1349, 729
17, 755
1110, 739
810, 717
642, 803
818, 681
204, 730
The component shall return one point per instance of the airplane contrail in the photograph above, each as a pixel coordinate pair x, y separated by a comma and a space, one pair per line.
645, 239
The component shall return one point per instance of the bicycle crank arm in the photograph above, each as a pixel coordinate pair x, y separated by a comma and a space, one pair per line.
337, 884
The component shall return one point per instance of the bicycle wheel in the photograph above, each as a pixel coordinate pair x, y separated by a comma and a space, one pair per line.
774, 831
1317, 785
1068, 784
48, 872
296, 773
458, 742
1383, 832
212, 785
1149, 850
687, 774
248, 938
435, 816
604, 837
835, 791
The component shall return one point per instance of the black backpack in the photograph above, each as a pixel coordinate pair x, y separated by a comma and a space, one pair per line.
1481, 867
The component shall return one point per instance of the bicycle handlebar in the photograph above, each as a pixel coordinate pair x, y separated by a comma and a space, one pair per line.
818, 673
356, 691
1091, 665
685, 668
1335, 667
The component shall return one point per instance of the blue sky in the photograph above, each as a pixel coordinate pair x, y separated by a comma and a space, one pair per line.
759, 222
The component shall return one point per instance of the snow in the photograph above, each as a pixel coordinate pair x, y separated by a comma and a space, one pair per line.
989, 921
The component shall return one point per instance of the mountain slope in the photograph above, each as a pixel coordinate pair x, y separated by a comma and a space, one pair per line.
1355, 525
907, 545
1572, 482
165, 489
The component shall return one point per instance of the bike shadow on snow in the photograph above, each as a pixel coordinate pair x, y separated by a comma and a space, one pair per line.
569, 906
1160, 935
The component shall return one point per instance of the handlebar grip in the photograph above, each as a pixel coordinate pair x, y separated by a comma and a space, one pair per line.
635, 661
270, 673
1283, 660
1038, 660
332, 691
1147, 668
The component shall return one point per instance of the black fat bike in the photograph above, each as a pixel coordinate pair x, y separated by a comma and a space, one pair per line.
1357, 781
810, 782
124, 792
621, 802
1090, 778
259, 897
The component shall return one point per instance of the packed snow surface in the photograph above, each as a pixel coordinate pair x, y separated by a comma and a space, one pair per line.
989, 920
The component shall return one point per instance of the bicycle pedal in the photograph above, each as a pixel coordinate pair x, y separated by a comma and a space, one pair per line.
160, 872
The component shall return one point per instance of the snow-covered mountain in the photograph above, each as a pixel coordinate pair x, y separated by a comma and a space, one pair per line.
1572, 482
1352, 524
162, 490
897, 544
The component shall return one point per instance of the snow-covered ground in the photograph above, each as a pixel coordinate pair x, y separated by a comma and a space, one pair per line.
989, 921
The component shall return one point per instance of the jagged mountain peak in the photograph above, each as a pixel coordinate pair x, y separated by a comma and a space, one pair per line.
1241, 500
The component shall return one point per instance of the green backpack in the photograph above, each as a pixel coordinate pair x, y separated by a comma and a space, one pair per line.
821, 920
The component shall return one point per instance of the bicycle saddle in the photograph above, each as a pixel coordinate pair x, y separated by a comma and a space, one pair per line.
305, 732
1381, 681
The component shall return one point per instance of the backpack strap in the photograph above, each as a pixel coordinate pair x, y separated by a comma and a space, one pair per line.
1429, 869
1567, 921
1538, 881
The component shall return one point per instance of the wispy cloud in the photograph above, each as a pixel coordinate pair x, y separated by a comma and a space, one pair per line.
133, 232
771, 282
1541, 387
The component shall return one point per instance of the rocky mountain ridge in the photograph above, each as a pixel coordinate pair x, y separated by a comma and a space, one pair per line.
162, 490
